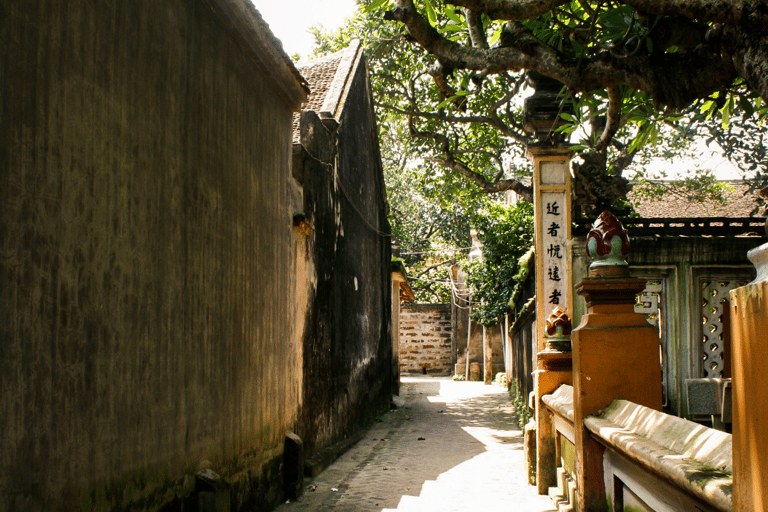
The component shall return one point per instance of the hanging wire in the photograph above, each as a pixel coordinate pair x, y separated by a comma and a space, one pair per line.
462, 294
337, 179
454, 249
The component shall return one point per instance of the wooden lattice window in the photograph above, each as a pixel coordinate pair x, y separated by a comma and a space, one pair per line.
714, 303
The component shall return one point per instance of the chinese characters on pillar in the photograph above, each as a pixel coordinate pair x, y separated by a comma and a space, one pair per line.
554, 249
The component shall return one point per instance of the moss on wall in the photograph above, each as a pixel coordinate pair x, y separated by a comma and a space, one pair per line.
147, 277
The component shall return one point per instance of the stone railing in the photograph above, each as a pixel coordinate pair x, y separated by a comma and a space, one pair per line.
665, 462
650, 460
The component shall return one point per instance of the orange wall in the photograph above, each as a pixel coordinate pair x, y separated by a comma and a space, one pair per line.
749, 330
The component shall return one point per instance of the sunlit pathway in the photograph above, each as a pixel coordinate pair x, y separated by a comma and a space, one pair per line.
453, 446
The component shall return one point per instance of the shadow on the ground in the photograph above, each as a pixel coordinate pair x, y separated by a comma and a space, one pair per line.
446, 430
467, 427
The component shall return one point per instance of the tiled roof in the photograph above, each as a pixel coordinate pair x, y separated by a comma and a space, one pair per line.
319, 74
675, 205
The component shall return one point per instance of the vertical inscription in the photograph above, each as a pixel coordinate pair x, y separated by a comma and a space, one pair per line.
554, 253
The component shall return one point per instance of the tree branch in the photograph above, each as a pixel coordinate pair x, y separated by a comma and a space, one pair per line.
494, 121
613, 122
488, 187
674, 79
476, 30
624, 160
745, 13
511, 10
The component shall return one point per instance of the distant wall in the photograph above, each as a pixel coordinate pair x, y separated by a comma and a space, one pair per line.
151, 323
425, 338
460, 323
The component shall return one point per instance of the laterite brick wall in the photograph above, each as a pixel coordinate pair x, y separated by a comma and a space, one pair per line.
425, 338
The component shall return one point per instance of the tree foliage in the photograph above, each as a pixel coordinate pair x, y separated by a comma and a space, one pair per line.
431, 207
641, 80
635, 73
506, 233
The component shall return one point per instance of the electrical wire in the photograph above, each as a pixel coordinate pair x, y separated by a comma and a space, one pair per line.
454, 249
337, 179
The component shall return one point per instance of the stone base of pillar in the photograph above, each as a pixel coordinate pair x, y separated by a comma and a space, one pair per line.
555, 370
615, 355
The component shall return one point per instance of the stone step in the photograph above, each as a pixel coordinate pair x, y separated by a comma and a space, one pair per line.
572, 493
564, 495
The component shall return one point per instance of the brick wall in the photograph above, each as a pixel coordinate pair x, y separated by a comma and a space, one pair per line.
425, 338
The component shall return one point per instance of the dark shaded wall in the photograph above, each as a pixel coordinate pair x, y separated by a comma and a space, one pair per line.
348, 344
147, 265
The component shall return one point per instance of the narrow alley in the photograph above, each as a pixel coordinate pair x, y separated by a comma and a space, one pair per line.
450, 446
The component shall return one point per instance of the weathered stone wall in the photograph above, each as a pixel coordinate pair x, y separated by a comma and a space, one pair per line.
460, 323
347, 343
425, 338
151, 314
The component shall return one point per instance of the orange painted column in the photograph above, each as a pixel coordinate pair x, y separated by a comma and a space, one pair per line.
615, 353
749, 338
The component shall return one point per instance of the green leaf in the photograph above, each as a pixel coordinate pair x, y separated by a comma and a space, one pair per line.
431, 16
578, 48
726, 111
452, 28
746, 106
451, 13
495, 36
376, 4
568, 117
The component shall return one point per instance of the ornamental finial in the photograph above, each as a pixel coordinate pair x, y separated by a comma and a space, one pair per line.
558, 331
608, 246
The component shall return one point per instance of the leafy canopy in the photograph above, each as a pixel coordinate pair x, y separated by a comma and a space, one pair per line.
506, 233
640, 78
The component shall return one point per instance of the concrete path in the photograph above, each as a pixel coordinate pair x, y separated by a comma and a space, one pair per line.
452, 446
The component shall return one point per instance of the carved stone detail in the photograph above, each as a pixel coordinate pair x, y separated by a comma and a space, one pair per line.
558, 323
607, 245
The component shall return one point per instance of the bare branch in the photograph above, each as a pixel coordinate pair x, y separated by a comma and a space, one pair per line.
427, 269
495, 121
587, 8
440, 75
488, 187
